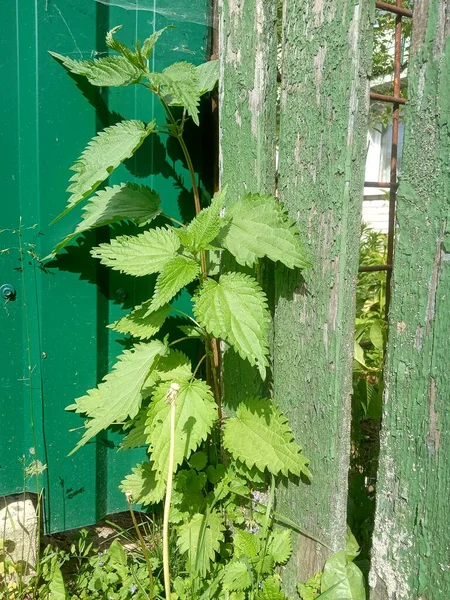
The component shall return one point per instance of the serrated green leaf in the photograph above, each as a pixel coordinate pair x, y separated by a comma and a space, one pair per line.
191, 331
87, 404
106, 151
141, 323
149, 43
188, 498
246, 545
141, 254
208, 76
200, 538
235, 309
121, 48
126, 201
175, 366
236, 577
310, 590
179, 85
202, 230
119, 396
271, 590
135, 432
195, 414
108, 71
260, 435
57, 588
342, 580
144, 485
280, 545
175, 274
258, 227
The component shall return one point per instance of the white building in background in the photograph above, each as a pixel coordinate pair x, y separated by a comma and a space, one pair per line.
375, 210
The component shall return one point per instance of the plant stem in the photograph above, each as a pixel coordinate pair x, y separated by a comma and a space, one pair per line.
171, 398
143, 545
198, 366
172, 219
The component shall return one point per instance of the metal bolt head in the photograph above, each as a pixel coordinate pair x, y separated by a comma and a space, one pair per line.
7, 291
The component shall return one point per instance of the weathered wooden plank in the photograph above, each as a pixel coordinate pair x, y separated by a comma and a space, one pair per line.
411, 540
248, 100
324, 110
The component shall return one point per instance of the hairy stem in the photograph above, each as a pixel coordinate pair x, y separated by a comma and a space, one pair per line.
171, 398
143, 545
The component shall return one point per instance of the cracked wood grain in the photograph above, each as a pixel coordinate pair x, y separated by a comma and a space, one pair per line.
324, 109
410, 556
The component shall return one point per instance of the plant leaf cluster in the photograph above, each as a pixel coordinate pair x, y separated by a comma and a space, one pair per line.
221, 463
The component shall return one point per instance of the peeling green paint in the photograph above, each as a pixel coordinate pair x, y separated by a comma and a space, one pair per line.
411, 539
324, 108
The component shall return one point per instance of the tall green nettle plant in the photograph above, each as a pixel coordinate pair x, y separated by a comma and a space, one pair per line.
207, 468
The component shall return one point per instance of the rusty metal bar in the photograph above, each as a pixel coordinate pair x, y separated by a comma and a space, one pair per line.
371, 268
395, 99
398, 9
394, 151
377, 184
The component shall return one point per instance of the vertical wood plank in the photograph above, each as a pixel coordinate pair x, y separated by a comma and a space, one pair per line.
410, 556
248, 104
324, 112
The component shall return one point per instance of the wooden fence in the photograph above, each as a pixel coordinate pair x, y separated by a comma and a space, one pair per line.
322, 116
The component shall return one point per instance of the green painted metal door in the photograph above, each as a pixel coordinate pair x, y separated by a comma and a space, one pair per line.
54, 342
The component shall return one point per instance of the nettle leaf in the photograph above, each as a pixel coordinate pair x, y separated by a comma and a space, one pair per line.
201, 537
188, 498
258, 227
310, 590
175, 274
123, 202
208, 76
342, 579
140, 322
144, 485
141, 254
121, 48
259, 435
236, 576
235, 309
87, 404
175, 366
179, 85
149, 43
107, 71
206, 226
246, 545
135, 436
271, 590
192, 331
280, 545
106, 151
119, 395
195, 414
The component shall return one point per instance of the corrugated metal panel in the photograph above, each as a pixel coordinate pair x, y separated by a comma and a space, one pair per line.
54, 341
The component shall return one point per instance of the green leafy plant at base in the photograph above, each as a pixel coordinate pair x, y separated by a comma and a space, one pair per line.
214, 473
